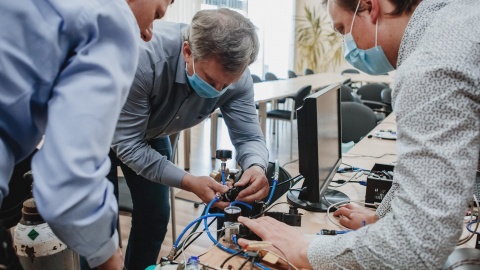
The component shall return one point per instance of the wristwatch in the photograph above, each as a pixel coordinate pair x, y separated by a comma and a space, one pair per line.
259, 165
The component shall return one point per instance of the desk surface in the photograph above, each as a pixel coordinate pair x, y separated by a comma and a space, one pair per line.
365, 78
269, 90
363, 155
272, 90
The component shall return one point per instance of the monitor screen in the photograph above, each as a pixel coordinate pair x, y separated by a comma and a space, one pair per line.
319, 150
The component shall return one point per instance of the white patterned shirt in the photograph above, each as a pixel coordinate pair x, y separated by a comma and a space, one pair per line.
436, 98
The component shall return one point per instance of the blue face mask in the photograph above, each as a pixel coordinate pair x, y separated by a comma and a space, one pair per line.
201, 87
372, 61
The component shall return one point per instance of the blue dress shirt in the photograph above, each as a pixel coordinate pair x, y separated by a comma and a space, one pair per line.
65, 70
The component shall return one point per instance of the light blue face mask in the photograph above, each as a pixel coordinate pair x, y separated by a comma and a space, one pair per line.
201, 87
372, 61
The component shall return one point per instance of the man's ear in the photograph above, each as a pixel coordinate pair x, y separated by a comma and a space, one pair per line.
373, 8
187, 52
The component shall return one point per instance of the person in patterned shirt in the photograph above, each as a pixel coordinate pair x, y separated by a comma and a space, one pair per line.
435, 48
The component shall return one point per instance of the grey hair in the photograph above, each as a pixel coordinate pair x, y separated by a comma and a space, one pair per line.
225, 35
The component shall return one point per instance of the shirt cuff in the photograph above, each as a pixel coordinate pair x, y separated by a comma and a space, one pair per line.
104, 253
254, 160
172, 176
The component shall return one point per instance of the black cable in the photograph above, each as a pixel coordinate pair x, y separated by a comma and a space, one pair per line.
295, 160
291, 179
252, 263
195, 238
229, 257
266, 210
355, 155
243, 264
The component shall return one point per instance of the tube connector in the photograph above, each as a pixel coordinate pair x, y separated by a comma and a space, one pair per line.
172, 253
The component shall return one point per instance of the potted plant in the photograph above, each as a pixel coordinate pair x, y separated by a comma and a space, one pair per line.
319, 47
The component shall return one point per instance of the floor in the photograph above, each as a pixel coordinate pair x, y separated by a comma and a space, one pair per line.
202, 164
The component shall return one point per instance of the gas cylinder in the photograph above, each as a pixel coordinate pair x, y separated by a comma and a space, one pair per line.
36, 245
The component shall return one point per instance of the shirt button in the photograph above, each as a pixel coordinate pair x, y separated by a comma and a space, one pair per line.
178, 117
164, 133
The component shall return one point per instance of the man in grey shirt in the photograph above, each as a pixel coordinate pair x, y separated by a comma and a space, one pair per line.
179, 82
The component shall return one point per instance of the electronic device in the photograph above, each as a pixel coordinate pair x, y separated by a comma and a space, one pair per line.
385, 134
379, 182
319, 150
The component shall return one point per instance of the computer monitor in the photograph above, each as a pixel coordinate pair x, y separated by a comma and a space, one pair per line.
319, 150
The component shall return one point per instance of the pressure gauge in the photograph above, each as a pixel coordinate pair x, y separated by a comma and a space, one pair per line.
232, 213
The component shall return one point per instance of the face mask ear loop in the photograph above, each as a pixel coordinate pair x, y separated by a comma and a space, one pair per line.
193, 63
354, 15
376, 32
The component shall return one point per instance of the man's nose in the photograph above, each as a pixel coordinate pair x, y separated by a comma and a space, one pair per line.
147, 33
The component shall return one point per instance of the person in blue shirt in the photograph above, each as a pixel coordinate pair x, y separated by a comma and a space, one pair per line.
65, 71
184, 74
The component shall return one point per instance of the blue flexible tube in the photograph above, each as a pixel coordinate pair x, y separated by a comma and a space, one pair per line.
204, 217
207, 210
242, 203
271, 192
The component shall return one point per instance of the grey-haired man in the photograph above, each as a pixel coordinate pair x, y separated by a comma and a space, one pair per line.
180, 81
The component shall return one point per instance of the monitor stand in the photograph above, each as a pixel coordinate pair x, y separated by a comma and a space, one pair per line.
332, 196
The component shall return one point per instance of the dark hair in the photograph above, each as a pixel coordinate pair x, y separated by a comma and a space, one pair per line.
401, 6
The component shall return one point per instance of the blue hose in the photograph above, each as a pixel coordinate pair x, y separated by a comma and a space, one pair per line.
204, 217
242, 203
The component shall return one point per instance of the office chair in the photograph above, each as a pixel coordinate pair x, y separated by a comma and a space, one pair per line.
346, 93
292, 74
350, 70
308, 71
357, 121
371, 96
386, 96
255, 78
290, 115
272, 77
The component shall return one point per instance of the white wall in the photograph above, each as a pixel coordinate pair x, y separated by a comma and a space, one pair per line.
182, 11
275, 22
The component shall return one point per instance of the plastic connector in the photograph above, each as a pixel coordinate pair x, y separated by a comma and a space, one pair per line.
172, 253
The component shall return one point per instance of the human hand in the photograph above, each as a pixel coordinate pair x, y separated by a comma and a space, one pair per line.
256, 183
352, 216
285, 238
113, 263
205, 187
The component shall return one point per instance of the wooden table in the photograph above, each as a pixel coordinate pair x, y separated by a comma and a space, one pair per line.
363, 155
365, 78
272, 90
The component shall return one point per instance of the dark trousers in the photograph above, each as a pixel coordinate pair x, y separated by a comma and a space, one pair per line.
8, 258
151, 210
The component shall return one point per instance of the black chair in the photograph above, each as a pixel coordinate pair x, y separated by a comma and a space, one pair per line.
371, 96
290, 115
357, 121
270, 77
346, 93
386, 96
256, 79
292, 74
350, 70
308, 71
